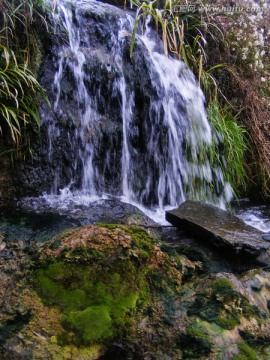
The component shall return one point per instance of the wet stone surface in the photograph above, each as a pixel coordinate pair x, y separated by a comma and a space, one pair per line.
220, 228
37, 220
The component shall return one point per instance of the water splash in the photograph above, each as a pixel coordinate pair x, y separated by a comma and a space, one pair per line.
257, 216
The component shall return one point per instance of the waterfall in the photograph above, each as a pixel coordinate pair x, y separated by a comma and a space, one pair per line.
130, 128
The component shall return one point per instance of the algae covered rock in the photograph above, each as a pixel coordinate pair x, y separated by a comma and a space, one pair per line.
225, 321
117, 292
88, 287
96, 277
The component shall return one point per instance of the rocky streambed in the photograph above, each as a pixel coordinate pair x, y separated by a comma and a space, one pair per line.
73, 288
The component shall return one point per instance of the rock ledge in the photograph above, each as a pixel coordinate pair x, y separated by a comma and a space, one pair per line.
219, 227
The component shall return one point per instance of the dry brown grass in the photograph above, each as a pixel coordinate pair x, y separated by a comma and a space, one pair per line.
255, 116
240, 82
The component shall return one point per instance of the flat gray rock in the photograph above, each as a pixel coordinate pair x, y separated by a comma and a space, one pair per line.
218, 226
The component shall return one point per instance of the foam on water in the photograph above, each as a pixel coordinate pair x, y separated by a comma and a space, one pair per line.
256, 216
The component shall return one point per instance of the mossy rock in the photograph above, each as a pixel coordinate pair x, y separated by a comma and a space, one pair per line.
98, 277
196, 342
108, 291
222, 304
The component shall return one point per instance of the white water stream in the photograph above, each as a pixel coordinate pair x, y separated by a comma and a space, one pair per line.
160, 176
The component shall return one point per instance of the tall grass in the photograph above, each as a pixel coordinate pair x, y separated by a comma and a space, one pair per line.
225, 155
232, 145
19, 89
18, 96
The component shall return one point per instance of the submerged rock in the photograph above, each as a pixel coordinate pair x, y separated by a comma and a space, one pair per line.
220, 228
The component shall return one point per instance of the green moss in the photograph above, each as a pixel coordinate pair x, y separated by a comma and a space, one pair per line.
101, 286
93, 324
218, 305
228, 322
85, 295
198, 330
221, 284
141, 239
196, 342
108, 226
204, 307
87, 284
172, 252
245, 353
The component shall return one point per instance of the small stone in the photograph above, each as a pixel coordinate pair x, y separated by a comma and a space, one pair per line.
254, 284
2, 246
266, 237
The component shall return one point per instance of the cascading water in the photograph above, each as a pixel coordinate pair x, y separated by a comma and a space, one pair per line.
122, 126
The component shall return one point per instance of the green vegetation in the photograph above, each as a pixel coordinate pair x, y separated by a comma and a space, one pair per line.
221, 284
95, 303
99, 277
94, 323
97, 287
227, 153
232, 147
219, 305
181, 33
245, 353
19, 89
196, 343
18, 98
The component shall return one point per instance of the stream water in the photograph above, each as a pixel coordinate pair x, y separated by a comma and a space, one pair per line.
256, 215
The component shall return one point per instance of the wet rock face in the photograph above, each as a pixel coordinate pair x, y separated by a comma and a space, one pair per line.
74, 213
112, 292
101, 71
7, 178
56, 150
15, 264
221, 229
